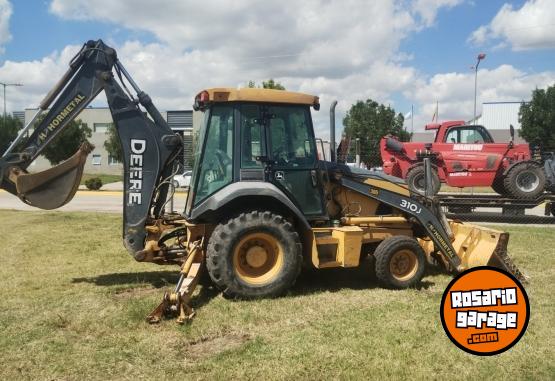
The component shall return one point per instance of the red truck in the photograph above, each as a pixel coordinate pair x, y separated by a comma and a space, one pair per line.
465, 156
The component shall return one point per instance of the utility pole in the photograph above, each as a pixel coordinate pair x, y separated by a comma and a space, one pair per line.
7, 84
357, 152
411, 120
481, 56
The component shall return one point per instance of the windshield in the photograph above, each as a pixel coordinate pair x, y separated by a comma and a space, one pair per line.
213, 155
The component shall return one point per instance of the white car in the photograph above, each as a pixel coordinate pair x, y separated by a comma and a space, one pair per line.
183, 180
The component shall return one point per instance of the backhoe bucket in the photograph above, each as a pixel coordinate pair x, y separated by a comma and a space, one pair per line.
53, 187
480, 246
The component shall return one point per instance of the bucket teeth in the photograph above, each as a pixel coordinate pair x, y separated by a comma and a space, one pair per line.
501, 259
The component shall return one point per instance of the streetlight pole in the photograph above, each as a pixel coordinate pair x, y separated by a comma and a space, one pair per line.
357, 152
481, 56
4, 85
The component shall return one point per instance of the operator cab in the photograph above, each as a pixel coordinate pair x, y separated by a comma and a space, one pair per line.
458, 132
468, 135
256, 135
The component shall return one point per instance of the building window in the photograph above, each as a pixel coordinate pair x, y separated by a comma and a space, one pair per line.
96, 159
112, 160
101, 127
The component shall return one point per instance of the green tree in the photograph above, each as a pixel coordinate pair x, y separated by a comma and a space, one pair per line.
269, 84
67, 142
537, 119
9, 126
370, 121
112, 143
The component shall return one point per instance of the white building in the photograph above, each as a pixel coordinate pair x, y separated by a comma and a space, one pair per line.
499, 115
496, 117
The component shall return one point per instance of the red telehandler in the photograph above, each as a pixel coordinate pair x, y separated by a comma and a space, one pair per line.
466, 156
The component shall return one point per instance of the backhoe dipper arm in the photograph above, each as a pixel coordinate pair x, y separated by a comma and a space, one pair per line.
149, 146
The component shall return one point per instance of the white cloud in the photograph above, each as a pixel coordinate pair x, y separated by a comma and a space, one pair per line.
427, 9
5, 15
315, 36
530, 27
455, 91
38, 77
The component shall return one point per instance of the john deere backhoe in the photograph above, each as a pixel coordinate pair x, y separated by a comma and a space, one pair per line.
261, 203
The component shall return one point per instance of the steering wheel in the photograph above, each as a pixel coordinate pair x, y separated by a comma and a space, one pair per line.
223, 160
283, 157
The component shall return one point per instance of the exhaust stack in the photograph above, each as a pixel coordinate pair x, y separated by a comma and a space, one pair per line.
333, 156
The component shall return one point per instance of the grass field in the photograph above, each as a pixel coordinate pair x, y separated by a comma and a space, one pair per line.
73, 306
447, 188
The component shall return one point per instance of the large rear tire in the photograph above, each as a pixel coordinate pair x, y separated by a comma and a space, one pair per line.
498, 186
256, 254
525, 181
400, 262
416, 183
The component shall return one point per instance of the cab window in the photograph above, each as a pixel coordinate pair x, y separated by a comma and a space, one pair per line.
291, 141
252, 144
471, 135
216, 167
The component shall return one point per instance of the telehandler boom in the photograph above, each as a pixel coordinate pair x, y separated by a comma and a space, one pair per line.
261, 203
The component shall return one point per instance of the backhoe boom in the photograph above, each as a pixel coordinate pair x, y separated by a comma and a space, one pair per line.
149, 146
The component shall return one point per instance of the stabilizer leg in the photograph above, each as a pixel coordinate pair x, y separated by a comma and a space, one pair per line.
178, 302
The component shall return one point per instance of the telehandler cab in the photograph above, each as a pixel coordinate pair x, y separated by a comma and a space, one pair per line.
261, 203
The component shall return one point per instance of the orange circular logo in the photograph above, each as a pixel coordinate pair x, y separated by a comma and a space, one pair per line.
485, 311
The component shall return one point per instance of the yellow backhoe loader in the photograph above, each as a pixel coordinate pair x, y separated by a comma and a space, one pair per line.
261, 204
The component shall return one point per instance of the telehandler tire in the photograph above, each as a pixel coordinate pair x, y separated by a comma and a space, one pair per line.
256, 254
415, 180
400, 262
498, 186
525, 181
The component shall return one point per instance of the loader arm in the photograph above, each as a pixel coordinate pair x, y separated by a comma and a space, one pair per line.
459, 246
149, 145
434, 227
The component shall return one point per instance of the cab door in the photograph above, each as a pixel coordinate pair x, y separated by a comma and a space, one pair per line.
277, 145
291, 149
470, 154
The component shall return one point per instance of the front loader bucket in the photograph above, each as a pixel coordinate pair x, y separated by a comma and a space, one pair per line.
480, 246
54, 187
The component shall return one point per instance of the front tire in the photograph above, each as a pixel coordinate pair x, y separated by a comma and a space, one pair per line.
400, 262
256, 254
416, 180
525, 181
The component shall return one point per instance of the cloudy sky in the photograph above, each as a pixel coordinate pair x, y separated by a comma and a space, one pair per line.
400, 53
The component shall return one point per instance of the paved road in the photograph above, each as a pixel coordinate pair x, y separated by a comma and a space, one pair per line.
112, 201
105, 201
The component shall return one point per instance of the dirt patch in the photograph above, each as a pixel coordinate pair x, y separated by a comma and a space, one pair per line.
211, 346
129, 293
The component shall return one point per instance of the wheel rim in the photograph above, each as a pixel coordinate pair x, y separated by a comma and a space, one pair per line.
258, 258
403, 264
527, 181
419, 183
